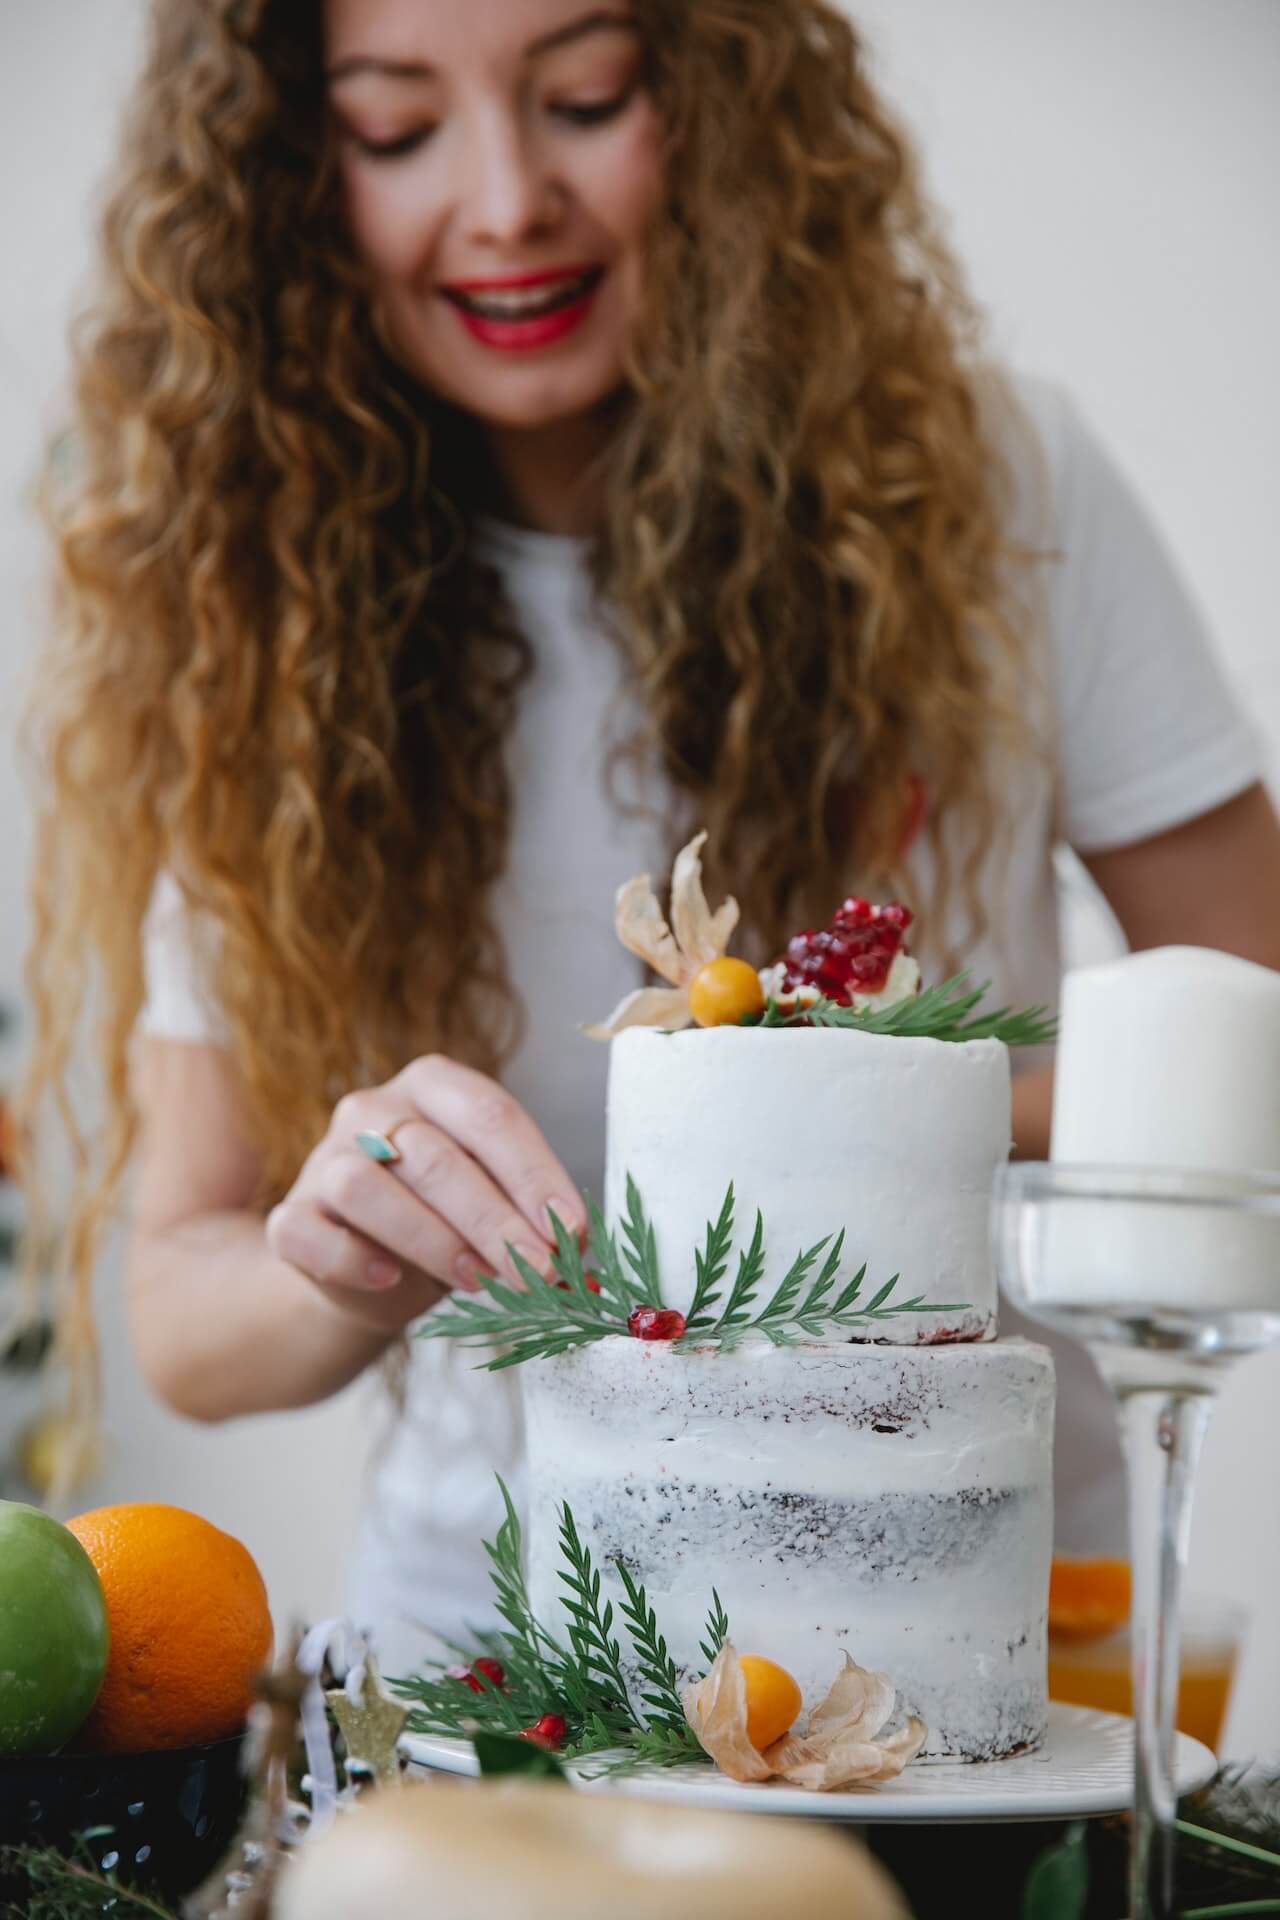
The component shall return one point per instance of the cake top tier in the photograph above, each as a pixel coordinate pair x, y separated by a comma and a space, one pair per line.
815, 1168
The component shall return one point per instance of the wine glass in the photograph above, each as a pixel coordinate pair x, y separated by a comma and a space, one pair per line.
1167, 1276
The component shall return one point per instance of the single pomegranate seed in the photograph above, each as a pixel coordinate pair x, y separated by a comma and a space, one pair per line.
858, 913
897, 915
548, 1732
491, 1669
655, 1323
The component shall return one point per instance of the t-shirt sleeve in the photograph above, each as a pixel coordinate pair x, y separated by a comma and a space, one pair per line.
1149, 735
178, 948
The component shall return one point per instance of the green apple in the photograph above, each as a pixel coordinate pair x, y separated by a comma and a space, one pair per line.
54, 1637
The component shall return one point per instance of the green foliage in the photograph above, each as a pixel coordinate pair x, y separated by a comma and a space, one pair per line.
1058, 1885
657, 1668
717, 1630
58, 1888
582, 1680
640, 1248
711, 1265
540, 1319
545, 1319
802, 1307
501, 1753
937, 1013
590, 1629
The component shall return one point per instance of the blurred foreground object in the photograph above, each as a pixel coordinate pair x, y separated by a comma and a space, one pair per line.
461, 1851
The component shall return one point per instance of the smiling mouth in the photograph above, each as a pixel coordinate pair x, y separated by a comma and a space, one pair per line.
526, 303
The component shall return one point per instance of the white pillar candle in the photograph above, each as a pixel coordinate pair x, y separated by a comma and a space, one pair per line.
1168, 1059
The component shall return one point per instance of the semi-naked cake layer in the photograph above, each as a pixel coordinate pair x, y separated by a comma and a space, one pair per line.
896, 1141
891, 1502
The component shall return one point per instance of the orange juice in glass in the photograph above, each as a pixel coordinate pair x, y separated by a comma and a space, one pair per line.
1089, 1647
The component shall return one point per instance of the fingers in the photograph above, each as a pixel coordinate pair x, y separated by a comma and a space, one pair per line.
437, 1182
479, 1116
357, 1275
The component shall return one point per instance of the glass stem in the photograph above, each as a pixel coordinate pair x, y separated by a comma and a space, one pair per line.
1163, 1430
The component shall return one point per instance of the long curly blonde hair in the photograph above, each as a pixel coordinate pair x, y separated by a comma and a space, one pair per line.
281, 671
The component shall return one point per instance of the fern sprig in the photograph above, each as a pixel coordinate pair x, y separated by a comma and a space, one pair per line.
711, 1263
591, 1625
657, 1668
584, 1304
787, 1318
717, 1630
539, 1319
615, 1283
640, 1249
745, 1288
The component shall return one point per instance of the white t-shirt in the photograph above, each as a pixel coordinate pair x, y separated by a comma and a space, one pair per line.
1143, 737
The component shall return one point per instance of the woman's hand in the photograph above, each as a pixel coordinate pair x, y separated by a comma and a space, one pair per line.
475, 1176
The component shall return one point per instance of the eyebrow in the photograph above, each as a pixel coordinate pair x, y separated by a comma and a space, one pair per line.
598, 22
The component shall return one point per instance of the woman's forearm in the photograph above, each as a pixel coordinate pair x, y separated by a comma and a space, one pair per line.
1032, 1114
223, 1328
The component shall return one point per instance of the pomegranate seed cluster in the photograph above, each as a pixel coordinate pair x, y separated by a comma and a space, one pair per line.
853, 955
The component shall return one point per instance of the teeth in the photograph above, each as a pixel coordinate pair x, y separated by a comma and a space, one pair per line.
522, 303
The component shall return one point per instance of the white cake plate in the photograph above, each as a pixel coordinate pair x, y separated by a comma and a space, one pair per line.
1084, 1767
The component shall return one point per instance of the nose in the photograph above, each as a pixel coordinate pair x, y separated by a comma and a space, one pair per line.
510, 190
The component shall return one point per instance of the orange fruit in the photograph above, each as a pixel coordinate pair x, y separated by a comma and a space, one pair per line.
773, 1700
190, 1627
1088, 1597
724, 992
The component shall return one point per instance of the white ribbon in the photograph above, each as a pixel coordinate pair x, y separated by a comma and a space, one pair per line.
349, 1651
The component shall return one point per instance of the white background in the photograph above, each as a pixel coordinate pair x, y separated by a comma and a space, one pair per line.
1108, 172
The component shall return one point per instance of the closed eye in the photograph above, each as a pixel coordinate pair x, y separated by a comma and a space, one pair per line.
591, 113
404, 143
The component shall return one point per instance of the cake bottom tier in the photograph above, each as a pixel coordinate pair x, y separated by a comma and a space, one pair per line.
894, 1503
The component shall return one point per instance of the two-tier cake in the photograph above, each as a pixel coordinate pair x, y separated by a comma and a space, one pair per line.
881, 1486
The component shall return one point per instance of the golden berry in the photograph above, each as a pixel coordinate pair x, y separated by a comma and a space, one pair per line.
773, 1700
724, 992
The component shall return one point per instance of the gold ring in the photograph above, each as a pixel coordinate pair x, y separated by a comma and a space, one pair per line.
382, 1146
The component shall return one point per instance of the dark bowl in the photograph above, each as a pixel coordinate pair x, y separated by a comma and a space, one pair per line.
169, 1817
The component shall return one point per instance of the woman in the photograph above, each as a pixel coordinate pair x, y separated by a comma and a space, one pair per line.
511, 436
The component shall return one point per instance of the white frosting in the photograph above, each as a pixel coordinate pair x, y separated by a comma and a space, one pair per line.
892, 1501
896, 1141
1166, 1059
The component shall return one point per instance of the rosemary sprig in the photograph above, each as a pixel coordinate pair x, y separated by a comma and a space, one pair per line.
937, 1013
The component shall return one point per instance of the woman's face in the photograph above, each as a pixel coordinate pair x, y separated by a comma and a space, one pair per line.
500, 160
